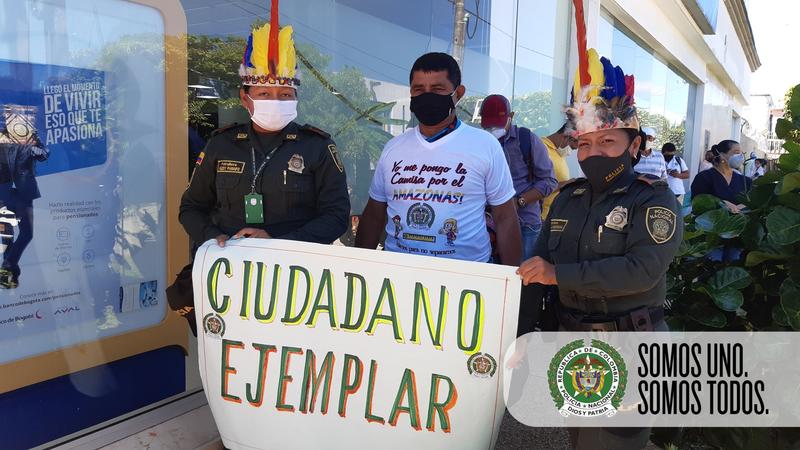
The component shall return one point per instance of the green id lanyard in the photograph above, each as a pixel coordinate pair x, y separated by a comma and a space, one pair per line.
254, 203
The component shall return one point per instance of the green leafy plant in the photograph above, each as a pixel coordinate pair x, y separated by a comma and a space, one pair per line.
741, 272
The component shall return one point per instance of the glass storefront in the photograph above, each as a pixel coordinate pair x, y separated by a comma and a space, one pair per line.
93, 112
663, 97
355, 57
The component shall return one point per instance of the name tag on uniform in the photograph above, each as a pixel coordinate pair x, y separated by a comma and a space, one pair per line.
228, 166
254, 208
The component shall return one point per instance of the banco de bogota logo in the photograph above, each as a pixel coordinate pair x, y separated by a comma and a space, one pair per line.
587, 381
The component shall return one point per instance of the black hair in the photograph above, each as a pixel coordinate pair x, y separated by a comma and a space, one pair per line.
246, 88
669, 147
633, 133
723, 147
437, 62
562, 129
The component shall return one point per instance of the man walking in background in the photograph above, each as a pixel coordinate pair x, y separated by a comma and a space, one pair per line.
531, 168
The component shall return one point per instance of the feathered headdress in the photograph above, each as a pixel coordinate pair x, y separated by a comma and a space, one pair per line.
602, 97
269, 58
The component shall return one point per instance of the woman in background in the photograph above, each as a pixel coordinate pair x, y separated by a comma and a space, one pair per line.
722, 181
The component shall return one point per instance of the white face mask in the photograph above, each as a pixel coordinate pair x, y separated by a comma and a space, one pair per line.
497, 132
563, 151
273, 115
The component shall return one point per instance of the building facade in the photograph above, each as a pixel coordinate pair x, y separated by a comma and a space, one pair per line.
124, 94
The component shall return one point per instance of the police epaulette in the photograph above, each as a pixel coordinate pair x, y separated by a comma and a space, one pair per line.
226, 128
574, 182
315, 130
652, 180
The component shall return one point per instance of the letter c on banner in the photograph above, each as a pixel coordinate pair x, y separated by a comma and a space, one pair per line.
212, 281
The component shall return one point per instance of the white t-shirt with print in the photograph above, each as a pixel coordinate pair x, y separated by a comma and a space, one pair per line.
436, 192
676, 184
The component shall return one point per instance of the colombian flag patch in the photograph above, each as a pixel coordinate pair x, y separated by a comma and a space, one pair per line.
200, 158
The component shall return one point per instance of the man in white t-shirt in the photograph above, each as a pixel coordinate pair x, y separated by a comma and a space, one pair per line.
677, 170
435, 180
651, 162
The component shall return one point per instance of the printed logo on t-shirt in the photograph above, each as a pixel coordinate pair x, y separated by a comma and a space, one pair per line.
420, 216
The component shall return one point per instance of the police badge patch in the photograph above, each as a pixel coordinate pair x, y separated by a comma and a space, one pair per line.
335, 156
617, 218
482, 365
660, 223
297, 164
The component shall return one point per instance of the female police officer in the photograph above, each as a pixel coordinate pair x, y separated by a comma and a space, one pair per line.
609, 237
272, 177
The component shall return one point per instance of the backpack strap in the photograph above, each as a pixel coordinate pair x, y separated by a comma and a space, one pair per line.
525, 145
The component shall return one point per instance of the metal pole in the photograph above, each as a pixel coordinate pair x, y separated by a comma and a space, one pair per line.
459, 30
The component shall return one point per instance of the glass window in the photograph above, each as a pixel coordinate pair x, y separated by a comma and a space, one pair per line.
355, 61
662, 95
83, 115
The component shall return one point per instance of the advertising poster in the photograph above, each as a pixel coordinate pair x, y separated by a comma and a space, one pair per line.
366, 348
61, 214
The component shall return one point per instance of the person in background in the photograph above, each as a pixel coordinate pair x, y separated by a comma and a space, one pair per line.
558, 146
651, 162
723, 181
706, 163
531, 168
677, 170
761, 168
750, 166
463, 167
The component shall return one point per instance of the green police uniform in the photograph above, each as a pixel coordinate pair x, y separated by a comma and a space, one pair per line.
611, 252
302, 184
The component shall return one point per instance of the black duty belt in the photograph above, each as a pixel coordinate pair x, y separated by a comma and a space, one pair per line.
641, 319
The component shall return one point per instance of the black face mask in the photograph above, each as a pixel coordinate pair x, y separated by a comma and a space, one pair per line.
432, 108
603, 171
668, 158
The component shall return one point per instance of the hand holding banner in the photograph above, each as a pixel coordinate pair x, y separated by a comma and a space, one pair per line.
351, 345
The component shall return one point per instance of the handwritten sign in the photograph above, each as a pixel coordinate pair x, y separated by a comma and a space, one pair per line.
311, 346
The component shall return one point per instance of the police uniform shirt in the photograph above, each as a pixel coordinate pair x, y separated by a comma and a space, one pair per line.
303, 185
613, 247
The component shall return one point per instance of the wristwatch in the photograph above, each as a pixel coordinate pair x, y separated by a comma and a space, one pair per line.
521, 202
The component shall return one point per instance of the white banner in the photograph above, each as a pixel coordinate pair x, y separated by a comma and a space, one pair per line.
313, 346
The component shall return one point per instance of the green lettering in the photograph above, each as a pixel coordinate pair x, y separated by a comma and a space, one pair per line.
387, 292
211, 284
311, 381
348, 323
289, 317
326, 286
263, 361
422, 303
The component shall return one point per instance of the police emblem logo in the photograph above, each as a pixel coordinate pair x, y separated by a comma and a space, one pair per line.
420, 216
241, 136
587, 380
296, 163
336, 159
617, 218
214, 326
482, 365
661, 224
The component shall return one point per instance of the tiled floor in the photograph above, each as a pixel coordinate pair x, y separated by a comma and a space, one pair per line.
193, 430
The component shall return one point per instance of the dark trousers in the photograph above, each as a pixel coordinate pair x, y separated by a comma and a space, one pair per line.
15, 247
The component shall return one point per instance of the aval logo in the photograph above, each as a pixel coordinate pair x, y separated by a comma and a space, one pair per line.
66, 310
587, 381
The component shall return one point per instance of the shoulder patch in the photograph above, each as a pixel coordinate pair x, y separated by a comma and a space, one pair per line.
311, 129
574, 182
336, 159
230, 127
661, 223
